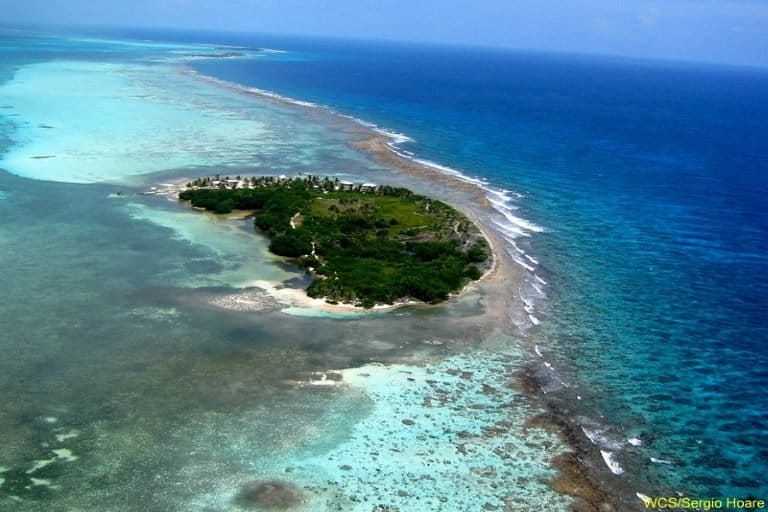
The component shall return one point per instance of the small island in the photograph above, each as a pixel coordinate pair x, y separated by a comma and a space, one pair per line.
365, 244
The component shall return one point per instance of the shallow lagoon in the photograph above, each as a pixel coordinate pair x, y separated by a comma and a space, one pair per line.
86, 122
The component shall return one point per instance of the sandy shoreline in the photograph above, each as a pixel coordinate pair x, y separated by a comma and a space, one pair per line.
379, 147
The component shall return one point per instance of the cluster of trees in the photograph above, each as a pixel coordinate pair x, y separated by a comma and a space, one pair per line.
382, 271
275, 202
323, 183
358, 258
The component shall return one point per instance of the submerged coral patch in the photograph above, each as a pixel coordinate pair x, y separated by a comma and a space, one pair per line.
270, 495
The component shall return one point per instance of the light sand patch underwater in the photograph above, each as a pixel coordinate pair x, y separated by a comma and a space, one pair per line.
238, 251
443, 437
85, 122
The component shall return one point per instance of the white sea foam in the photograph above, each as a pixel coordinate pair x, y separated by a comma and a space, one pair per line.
397, 138
599, 436
502, 201
515, 246
643, 497
539, 279
538, 352
634, 441
509, 231
534, 320
591, 435
520, 262
253, 90
611, 462
519, 221
661, 461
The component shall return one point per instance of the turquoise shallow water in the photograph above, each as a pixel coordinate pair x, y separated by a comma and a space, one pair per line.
133, 120
140, 371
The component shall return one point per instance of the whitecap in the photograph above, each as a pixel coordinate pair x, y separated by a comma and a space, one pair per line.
251, 90
509, 232
519, 221
515, 246
599, 436
503, 203
397, 138
611, 462
521, 262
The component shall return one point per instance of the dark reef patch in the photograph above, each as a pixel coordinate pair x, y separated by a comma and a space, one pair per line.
270, 495
580, 472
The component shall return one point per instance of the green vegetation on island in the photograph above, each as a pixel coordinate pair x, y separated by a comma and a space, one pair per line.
365, 244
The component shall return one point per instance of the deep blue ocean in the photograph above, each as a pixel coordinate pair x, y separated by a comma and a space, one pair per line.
651, 182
